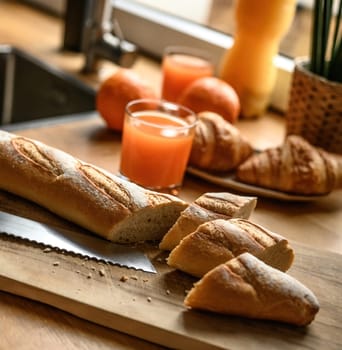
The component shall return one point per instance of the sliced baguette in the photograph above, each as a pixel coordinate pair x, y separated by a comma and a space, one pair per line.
209, 206
248, 287
217, 241
80, 192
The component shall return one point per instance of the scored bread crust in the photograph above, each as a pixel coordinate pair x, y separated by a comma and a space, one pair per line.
217, 241
83, 193
246, 286
209, 206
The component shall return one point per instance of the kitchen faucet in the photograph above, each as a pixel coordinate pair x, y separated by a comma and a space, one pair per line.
89, 28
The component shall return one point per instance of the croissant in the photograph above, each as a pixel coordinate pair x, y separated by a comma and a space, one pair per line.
217, 145
295, 167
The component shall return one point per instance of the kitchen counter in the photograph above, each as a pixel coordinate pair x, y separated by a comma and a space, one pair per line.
27, 324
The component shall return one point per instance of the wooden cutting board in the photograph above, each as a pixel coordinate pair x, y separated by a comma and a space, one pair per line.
150, 306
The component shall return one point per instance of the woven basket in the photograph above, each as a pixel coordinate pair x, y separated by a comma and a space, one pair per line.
315, 109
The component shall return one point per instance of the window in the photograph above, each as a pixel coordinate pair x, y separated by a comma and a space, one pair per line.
153, 28
219, 15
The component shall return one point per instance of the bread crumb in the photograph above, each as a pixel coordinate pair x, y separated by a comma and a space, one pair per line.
186, 291
145, 280
134, 278
47, 250
102, 272
149, 299
89, 275
56, 263
78, 271
123, 278
167, 292
93, 268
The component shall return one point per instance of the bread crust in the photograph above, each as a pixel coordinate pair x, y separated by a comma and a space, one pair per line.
295, 167
77, 191
218, 145
217, 241
209, 206
246, 286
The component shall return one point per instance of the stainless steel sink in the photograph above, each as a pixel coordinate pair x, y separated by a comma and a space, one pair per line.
31, 89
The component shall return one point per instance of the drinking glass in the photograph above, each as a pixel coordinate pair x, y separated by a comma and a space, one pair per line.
180, 67
156, 143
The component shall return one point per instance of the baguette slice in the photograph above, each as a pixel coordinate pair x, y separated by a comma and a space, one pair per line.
217, 241
209, 206
82, 193
248, 287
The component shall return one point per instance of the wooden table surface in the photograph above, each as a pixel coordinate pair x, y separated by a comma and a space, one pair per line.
26, 324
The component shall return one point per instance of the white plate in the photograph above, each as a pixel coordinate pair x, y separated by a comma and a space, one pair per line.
230, 182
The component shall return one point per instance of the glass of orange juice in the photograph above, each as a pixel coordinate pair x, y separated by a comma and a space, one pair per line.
156, 143
180, 67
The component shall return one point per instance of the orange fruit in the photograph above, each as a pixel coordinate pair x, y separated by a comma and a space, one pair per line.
115, 92
213, 95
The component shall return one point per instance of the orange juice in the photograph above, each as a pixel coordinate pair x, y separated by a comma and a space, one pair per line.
248, 65
180, 69
155, 149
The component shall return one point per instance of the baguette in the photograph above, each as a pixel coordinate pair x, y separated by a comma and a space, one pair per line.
209, 206
217, 241
246, 286
83, 193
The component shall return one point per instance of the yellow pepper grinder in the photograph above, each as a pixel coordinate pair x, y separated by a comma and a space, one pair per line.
248, 65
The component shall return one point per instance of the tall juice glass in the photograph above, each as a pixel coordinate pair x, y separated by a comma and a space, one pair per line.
156, 143
180, 67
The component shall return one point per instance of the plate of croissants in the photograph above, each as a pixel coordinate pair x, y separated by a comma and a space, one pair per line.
294, 171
